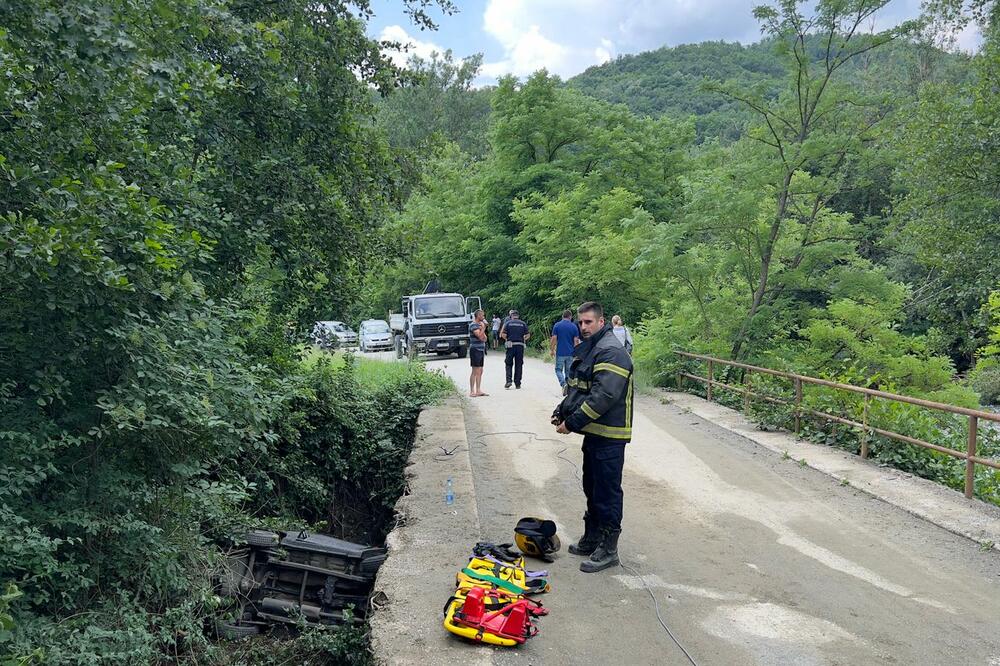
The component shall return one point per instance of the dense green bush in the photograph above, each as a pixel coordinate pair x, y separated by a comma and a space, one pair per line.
985, 380
342, 445
126, 578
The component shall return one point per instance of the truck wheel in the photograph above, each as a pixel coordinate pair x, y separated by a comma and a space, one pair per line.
235, 631
399, 346
463, 352
262, 538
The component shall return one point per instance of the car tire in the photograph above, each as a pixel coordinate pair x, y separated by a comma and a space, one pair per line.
262, 538
463, 352
235, 632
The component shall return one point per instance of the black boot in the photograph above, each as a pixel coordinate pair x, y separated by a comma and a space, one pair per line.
606, 554
590, 540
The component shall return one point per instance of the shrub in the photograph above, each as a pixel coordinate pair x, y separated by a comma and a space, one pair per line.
985, 380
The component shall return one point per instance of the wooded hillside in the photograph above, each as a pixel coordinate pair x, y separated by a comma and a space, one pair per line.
676, 81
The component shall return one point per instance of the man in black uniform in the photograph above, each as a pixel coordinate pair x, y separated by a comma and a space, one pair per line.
515, 334
599, 406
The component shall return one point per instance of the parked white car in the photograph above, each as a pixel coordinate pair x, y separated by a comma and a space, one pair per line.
374, 335
331, 334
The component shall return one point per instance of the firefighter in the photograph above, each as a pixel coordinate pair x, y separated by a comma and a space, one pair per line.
598, 405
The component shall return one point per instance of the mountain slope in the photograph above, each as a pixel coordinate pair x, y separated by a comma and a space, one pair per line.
670, 80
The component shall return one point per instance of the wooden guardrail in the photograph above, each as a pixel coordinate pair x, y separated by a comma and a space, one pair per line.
974, 415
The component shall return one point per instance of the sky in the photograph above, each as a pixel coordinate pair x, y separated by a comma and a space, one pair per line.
568, 36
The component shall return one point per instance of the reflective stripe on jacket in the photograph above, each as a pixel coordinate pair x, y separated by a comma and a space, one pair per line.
599, 399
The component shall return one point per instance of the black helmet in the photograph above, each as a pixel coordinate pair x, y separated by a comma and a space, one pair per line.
537, 537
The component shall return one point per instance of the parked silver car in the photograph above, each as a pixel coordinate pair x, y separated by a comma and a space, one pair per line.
374, 334
333, 334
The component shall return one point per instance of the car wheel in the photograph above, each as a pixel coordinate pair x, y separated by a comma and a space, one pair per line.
463, 352
235, 631
262, 538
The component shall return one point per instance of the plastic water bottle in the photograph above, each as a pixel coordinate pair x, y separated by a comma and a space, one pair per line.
449, 493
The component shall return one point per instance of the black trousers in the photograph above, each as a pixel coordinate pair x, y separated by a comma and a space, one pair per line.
515, 361
603, 461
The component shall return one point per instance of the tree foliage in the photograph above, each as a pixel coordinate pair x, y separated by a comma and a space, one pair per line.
948, 211
181, 183
439, 104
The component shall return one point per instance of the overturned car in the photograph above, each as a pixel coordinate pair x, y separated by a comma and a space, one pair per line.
287, 577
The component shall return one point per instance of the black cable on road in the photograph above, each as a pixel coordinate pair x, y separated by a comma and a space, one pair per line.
656, 606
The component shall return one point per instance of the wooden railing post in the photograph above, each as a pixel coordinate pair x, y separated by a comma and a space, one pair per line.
798, 405
711, 376
970, 465
864, 429
746, 393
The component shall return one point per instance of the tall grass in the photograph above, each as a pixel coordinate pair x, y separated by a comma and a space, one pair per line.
375, 373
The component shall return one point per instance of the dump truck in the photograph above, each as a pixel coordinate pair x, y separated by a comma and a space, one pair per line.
433, 323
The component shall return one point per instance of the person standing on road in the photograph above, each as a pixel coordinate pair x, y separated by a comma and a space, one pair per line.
622, 333
515, 334
477, 353
564, 339
598, 405
496, 331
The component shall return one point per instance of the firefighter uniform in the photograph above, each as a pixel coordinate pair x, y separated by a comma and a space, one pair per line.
598, 405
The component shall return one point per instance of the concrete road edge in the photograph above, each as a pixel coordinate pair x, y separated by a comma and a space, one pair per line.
430, 543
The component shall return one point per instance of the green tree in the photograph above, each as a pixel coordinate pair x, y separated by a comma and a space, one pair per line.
561, 199
440, 104
947, 219
813, 132
178, 180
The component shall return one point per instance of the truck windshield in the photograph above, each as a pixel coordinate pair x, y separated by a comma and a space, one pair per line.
442, 306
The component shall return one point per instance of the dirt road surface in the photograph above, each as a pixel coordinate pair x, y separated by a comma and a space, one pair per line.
751, 558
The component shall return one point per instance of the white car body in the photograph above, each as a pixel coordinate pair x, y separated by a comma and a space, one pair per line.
373, 335
331, 331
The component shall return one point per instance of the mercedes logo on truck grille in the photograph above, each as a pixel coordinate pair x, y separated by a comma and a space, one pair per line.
441, 328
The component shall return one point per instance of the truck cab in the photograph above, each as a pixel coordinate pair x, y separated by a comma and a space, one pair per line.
436, 323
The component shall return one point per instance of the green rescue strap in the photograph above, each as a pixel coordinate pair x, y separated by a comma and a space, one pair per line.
499, 582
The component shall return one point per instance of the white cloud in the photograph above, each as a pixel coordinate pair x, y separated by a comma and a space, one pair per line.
567, 36
396, 33
970, 38
530, 44
532, 51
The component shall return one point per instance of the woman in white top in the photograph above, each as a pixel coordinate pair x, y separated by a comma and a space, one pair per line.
621, 333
